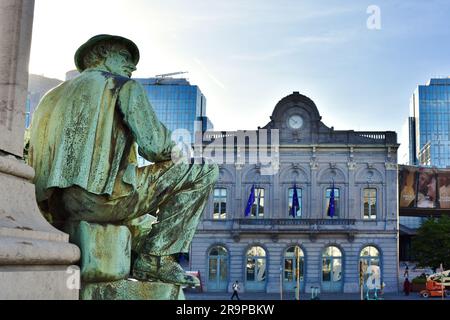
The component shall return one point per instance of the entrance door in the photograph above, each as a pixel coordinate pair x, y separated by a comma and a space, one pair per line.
332, 270
290, 270
218, 270
256, 270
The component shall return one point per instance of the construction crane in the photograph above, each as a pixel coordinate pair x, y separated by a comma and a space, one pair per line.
170, 74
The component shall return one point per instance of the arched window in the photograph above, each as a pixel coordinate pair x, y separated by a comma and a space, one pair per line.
369, 264
369, 256
218, 269
332, 269
218, 251
256, 269
291, 265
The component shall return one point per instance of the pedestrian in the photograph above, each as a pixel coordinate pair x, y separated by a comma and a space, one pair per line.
407, 287
235, 290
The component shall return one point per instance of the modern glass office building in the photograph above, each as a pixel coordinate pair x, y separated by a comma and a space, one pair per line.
430, 124
179, 105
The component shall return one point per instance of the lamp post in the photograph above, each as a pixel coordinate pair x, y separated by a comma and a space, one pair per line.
297, 255
442, 281
281, 282
361, 278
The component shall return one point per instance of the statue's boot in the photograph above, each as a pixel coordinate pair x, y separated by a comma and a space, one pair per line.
162, 268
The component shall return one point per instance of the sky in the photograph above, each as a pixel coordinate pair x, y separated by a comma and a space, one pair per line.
246, 55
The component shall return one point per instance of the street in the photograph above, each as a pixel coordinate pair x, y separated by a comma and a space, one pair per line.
303, 296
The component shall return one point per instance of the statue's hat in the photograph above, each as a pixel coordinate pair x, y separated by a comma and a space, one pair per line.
88, 45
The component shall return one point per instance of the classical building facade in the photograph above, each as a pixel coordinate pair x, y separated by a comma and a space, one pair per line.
259, 251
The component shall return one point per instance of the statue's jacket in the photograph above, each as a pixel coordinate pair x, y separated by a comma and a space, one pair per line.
85, 133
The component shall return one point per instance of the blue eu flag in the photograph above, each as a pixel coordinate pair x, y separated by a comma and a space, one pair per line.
331, 207
250, 201
295, 204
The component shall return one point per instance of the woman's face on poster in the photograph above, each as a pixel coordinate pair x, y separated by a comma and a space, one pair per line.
424, 180
431, 193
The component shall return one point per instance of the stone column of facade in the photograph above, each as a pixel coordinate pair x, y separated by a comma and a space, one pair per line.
312, 262
34, 256
351, 283
277, 201
237, 192
391, 254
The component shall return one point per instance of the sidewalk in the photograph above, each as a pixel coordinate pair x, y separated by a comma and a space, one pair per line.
303, 296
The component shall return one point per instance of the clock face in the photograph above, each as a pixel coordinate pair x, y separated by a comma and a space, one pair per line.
295, 121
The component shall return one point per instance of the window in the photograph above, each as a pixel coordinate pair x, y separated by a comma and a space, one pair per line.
258, 204
336, 202
370, 256
290, 199
370, 203
220, 203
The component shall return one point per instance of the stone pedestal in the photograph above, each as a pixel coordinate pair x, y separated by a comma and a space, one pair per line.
49, 282
105, 250
34, 257
131, 290
106, 261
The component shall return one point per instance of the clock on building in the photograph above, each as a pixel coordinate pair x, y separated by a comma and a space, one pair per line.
295, 121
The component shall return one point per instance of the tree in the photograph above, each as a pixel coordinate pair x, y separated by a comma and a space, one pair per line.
431, 245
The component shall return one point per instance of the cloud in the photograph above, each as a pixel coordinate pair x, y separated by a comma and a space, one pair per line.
322, 39
262, 56
195, 13
292, 45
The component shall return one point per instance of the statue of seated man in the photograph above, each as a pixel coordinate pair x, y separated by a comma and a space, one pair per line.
83, 146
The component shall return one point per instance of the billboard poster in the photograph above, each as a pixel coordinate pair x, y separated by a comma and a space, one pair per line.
407, 184
426, 188
422, 188
444, 189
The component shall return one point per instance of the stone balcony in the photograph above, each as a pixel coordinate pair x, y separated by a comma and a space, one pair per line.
292, 221
310, 227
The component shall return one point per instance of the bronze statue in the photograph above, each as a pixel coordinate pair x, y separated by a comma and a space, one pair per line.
83, 143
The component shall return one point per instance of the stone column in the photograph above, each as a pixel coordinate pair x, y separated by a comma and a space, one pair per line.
34, 256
